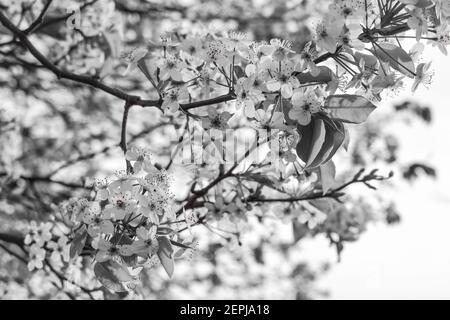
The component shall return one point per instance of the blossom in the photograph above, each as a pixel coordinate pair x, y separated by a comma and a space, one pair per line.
247, 96
36, 257
236, 41
278, 49
106, 250
268, 119
284, 80
132, 57
121, 203
423, 76
216, 53
96, 222
147, 245
442, 38
308, 55
349, 38
39, 234
191, 48
140, 157
348, 9
170, 68
60, 251
216, 120
327, 33
172, 98
101, 186
418, 22
388, 81
304, 105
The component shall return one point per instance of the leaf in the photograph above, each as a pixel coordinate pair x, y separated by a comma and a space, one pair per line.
325, 75
107, 278
179, 244
327, 175
77, 245
397, 58
239, 71
349, 108
316, 149
165, 255
300, 230
312, 136
335, 136
119, 271
318, 138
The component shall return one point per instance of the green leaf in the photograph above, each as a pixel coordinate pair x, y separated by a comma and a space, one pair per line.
165, 255
77, 245
107, 278
349, 108
397, 58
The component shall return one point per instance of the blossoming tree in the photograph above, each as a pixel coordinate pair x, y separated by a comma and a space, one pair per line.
220, 131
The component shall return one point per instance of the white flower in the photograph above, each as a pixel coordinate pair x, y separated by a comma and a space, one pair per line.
39, 234
327, 33
172, 98
132, 57
443, 38
216, 53
418, 22
147, 245
247, 96
170, 68
140, 156
424, 76
96, 223
105, 250
278, 49
37, 256
121, 203
101, 186
308, 55
284, 80
348, 9
60, 251
269, 119
216, 120
304, 105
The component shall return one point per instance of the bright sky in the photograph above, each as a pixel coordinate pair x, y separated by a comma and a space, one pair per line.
410, 260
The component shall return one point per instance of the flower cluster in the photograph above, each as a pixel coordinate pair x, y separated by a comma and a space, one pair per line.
262, 75
128, 225
46, 244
